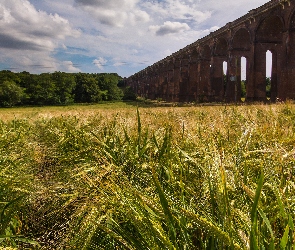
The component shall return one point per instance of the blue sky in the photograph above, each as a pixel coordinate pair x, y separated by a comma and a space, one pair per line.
94, 36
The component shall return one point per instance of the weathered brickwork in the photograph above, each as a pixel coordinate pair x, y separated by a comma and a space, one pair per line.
195, 73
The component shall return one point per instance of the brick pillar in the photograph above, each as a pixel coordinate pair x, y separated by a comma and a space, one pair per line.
170, 80
290, 85
193, 80
176, 78
274, 77
152, 84
184, 79
286, 86
250, 76
162, 81
145, 83
204, 80
142, 84
217, 90
260, 73
148, 82
156, 84
139, 85
233, 86
136, 84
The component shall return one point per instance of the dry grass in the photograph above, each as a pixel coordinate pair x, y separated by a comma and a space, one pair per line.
114, 177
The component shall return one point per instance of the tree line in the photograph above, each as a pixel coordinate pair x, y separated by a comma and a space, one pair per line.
60, 88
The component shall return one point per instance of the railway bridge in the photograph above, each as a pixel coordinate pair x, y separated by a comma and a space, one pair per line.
196, 72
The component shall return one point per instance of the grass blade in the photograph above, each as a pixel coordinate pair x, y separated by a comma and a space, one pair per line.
254, 235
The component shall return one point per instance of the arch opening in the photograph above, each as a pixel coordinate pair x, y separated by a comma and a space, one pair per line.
221, 47
241, 40
206, 52
225, 76
184, 77
225, 68
194, 56
204, 74
268, 75
243, 78
270, 30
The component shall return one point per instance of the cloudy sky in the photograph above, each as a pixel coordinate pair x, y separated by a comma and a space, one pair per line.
94, 36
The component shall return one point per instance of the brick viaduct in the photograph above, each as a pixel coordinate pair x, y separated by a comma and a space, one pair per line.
195, 73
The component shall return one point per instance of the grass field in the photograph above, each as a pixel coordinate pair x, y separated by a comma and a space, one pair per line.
118, 176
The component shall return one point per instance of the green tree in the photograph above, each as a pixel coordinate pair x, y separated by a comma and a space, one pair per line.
268, 86
110, 82
44, 90
29, 83
10, 94
243, 88
7, 75
87, 89
129, 94
64, 87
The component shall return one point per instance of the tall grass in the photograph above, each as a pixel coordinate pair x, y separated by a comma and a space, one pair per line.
151, 178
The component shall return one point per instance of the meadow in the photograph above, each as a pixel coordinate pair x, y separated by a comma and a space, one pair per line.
119, 176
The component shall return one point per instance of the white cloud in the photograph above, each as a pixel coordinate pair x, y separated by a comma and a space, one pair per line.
29, 37
107, 4
34, 61
169, 28
22, 27
107, 16
117, 64
69, 66
139, 16
100, 62
177, 10
114, 13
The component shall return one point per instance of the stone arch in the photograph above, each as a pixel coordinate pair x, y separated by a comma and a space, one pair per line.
204, 73
170, 63
221, 47
216, 70
290, 65
241, 40
194, 55
170, 79
184, 76
184, 59
269, 36
206, 52
193, 73
270, 29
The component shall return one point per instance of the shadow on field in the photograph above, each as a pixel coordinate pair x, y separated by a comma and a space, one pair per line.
153, 104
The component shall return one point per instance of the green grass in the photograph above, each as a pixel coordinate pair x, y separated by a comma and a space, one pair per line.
112, 176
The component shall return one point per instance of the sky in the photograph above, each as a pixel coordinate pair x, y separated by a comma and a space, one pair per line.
111, 36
